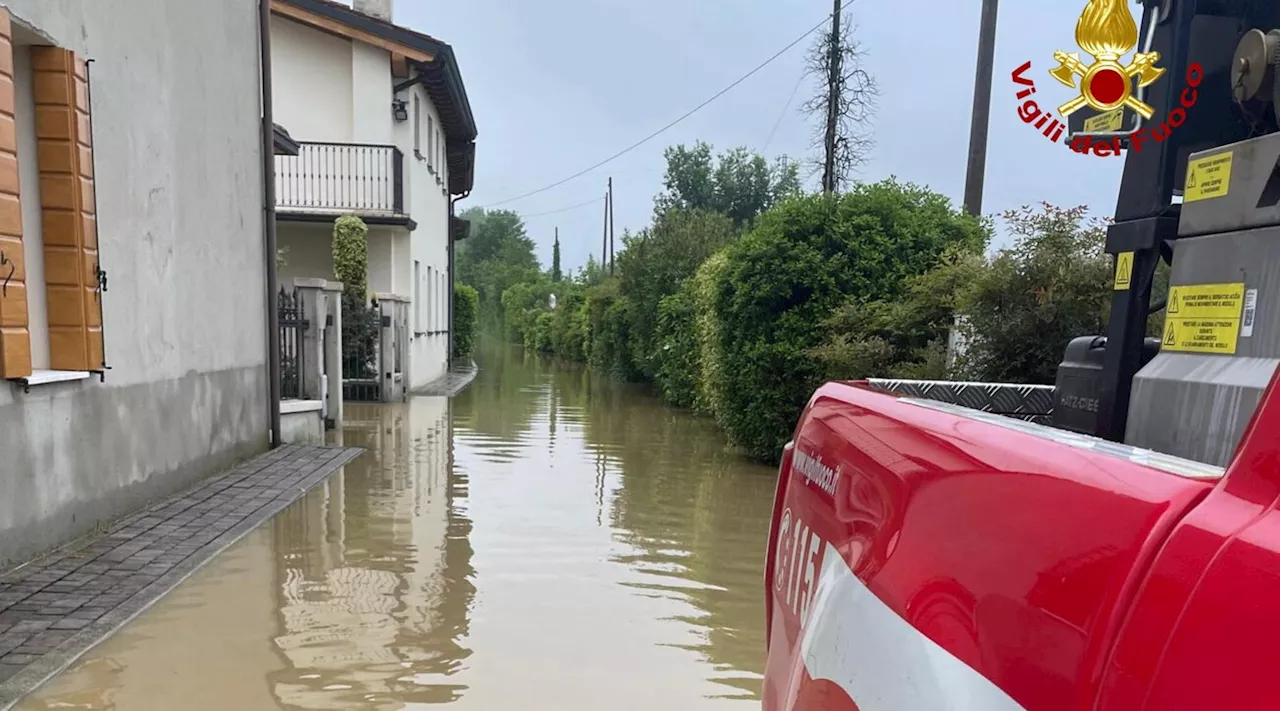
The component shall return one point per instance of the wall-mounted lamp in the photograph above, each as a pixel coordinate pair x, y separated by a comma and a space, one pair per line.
399, 109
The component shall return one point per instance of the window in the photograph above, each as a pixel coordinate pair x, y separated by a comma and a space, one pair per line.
50, 308
417, 296
430, 145
417, 127
440, 157
431, 313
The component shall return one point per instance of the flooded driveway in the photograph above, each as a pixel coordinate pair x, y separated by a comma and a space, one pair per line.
549, 539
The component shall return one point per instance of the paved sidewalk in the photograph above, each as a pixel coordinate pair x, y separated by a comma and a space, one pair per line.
54, 609
452, 382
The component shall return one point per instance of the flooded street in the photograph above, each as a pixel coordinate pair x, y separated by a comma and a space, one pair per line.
549, 539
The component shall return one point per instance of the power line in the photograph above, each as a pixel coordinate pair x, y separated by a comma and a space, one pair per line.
592, 201
662, 130
784, 111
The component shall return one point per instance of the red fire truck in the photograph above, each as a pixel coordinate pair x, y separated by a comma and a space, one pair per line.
1111, 542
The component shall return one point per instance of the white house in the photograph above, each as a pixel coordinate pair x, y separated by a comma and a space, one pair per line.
383, 131
133, 345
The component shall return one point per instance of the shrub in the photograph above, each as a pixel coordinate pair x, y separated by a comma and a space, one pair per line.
607, 322
569, 334
653, 265
802, 261
351, 254
466, 313
900, 338
709, 397
1052, 285
521, 305
361, 324
676, 359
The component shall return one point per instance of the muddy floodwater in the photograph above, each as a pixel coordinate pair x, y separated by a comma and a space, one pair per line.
548, 539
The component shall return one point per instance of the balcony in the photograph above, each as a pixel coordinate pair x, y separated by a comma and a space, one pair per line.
330, 179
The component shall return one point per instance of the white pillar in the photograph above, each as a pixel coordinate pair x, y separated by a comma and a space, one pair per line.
333, 350
310, 295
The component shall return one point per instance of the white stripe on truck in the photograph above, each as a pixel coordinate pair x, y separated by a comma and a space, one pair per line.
883, 663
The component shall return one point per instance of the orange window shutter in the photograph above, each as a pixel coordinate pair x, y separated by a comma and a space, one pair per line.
68, 209
15, 338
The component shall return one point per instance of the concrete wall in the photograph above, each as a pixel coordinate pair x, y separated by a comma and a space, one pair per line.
176, 131
312, 85
300, 425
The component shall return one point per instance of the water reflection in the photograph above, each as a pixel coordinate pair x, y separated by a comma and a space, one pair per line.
374, 581
549, 539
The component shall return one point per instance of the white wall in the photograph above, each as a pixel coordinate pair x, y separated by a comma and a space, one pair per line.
381, 254
309, 252
311, 75
329, 89
371, 94
429, 207
177, 148
310, 255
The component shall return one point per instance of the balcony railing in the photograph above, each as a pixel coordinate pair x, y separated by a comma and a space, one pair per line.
341, 177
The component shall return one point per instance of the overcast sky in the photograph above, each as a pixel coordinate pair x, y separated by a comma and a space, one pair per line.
559, 85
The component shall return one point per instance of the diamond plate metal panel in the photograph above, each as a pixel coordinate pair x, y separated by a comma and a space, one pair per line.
1023, 401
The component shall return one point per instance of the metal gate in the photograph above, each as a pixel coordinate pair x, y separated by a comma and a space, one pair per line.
361, 352
293, 330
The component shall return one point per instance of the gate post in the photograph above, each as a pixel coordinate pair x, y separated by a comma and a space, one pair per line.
393, 355
331, 323
311, 349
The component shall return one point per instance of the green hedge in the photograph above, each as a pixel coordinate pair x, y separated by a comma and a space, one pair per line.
822, 288
677, 360
803, 260
466, 313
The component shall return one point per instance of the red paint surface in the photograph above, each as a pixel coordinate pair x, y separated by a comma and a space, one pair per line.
1028, 559
1107, 86
1204, 628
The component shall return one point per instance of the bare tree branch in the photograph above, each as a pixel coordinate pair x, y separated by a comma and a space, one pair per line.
855, 97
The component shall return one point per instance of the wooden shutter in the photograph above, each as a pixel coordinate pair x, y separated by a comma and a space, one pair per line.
67, 209
15, 338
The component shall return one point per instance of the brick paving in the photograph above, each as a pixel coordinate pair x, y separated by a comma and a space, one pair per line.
54, 609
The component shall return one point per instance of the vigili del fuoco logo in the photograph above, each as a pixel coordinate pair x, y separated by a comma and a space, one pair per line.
1107, 32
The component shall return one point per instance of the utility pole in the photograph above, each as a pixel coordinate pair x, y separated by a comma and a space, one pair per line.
604, 238
611, 253
833, 102
975, 173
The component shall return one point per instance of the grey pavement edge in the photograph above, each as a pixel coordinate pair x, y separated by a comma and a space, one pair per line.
223, 508
451, 383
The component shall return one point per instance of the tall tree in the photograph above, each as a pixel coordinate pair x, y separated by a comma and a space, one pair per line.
845, 102
736, 183
497, 255
555, 258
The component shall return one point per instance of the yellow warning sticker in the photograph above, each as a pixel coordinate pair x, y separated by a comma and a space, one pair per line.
1105, 123
1201, 335
1124, 270
1208, 177
1203, 318
1206, 301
